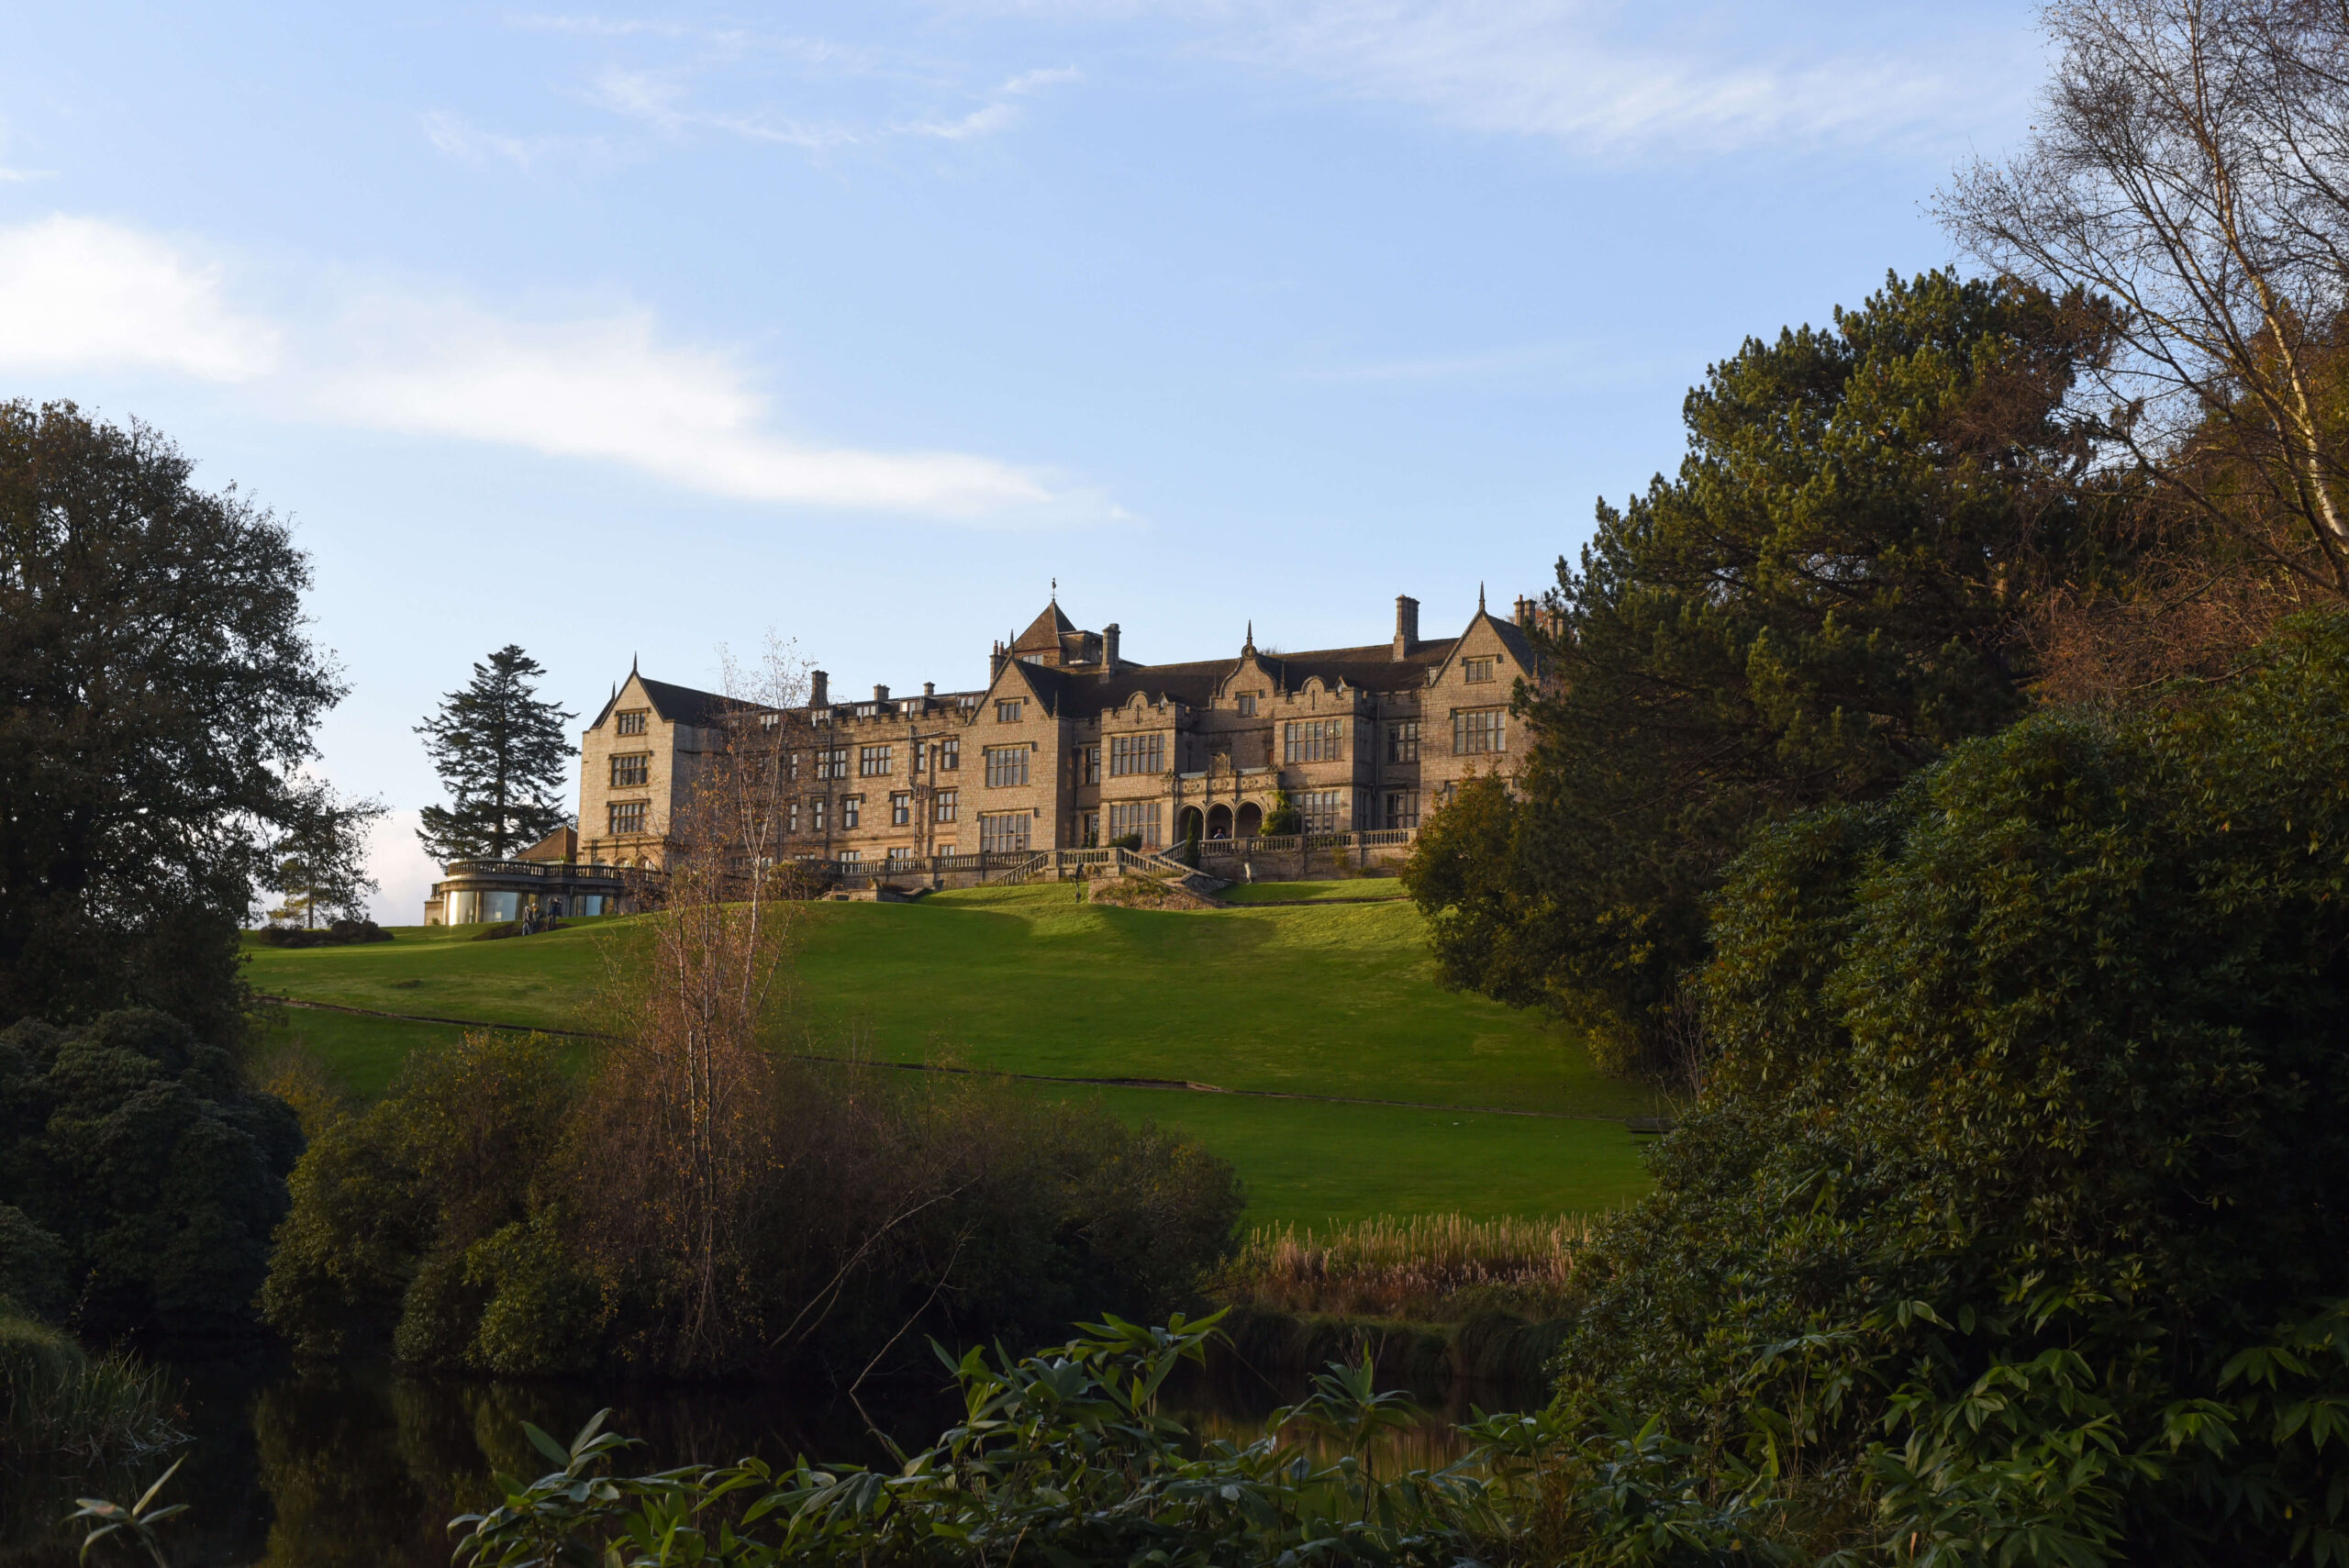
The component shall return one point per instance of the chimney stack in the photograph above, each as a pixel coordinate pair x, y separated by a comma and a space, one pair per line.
818, 693
1406, 625
1109, 646
930, 688
1524, 612
880, 692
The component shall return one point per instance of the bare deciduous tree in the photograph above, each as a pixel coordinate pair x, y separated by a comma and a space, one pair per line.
683, 1108
2191, 162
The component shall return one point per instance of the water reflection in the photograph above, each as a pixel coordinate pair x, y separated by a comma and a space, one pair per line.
360, 1467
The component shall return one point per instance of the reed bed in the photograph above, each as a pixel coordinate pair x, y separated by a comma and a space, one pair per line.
56, 1398
1429, 1268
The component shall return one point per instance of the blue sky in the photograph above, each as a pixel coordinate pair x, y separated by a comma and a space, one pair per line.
642, 332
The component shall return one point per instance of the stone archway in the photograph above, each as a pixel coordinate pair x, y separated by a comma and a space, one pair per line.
1251, 820
1186, 824
1219, 821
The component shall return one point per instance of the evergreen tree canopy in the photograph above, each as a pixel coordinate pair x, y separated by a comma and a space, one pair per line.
500, 753
140, 1168
1825, 599
155, 685
2014, 1211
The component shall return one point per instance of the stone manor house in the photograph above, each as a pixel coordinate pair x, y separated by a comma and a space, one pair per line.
1068, 746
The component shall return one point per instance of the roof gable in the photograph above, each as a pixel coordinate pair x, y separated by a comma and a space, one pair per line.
1043, 634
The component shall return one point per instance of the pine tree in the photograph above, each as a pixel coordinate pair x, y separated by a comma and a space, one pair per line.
322, 859
500, 753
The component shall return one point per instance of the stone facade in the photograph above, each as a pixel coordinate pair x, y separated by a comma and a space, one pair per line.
1069, 745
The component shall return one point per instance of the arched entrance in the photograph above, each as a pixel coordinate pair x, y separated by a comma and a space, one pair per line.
1186, 824
1218, 822
1251, 820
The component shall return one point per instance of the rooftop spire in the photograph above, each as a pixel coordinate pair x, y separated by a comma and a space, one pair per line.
1480, 598
1250, 646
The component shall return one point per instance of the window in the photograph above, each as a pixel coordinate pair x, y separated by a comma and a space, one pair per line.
1403, 741
850, 857
1006, 765
900, 855
941, 805
872, 761
851, 806
1314, 740
629, 723
1091, 831
791, 818
1478, 731
1139, 816
791, 767
1248, 704
901, 809
1008, 712
816, 810
1003, 832
632, 772
1318, 809
627, 815
949, 754
1091, 765
832, 764
1137, 754
1403, 808
1477, 672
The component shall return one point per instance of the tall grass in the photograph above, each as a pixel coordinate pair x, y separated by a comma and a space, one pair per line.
57, 1398
1430, 1268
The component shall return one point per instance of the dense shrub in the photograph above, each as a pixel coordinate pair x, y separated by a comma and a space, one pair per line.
144, 1178
482, 1216
2015, 1220
334, 934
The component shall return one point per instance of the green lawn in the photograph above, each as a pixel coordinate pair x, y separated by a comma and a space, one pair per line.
1333, 1000
1316, 892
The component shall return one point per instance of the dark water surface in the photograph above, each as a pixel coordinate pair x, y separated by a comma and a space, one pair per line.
363, 1467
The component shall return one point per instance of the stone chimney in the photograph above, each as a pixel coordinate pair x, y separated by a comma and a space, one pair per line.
1524, 617
819, 689
1406, 625
994, 661
880, 694
1109, 646
930, 688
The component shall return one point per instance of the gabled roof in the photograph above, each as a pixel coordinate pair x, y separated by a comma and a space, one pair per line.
675, 705
1043, 634
1374, 669
683, 705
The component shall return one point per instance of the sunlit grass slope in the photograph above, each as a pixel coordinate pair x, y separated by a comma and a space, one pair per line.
1334, 1000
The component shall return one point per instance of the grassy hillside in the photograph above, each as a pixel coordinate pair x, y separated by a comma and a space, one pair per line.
1334, 1000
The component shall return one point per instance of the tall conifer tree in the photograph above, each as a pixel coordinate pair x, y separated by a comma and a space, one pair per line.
500, 753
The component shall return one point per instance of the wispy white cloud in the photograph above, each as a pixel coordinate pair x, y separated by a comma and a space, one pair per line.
610, 388
468, 143
80, 292
1608, 79
18, 176
663, 100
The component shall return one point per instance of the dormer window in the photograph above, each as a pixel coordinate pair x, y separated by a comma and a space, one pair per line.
1248, 704
629, 723
1477, 672
1009, 711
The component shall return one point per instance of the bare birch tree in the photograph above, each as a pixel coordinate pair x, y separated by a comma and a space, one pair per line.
683, 1113
2191, 162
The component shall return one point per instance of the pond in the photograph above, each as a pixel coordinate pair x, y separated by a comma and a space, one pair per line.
363, 1467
